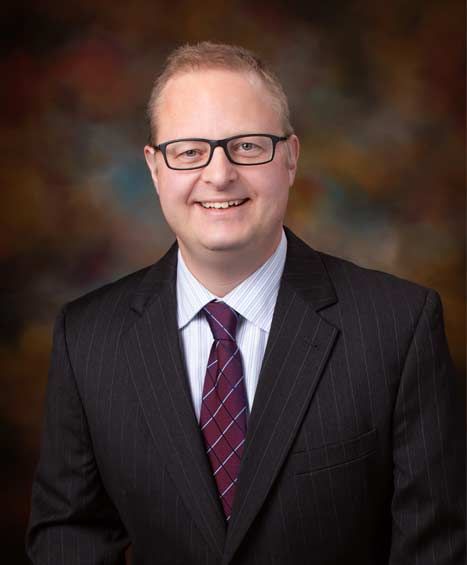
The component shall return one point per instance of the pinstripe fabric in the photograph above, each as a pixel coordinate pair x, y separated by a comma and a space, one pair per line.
254, 299
354, 450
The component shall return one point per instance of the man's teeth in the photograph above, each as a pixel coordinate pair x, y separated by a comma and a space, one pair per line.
225, 204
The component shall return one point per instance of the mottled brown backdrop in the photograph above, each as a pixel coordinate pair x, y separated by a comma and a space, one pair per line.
377, 91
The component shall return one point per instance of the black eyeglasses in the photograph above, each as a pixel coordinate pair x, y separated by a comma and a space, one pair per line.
195, 153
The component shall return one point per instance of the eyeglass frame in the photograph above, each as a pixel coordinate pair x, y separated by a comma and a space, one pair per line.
213, 143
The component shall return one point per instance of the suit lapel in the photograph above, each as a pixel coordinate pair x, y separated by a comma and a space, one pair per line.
298, 347
157, 370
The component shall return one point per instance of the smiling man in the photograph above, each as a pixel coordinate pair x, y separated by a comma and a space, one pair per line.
227, 217
246, 400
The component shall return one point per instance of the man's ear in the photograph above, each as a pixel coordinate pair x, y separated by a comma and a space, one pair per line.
150, 156
293, 152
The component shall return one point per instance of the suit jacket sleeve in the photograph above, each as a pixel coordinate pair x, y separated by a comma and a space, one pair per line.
72, 518
428, 451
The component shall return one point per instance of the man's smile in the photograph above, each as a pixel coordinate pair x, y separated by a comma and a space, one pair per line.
224, 204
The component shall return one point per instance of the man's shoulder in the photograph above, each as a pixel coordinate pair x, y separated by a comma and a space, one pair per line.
117, 297
110, 299
343, 269
353, 281
379, 288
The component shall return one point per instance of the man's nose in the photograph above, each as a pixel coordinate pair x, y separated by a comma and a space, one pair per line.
220, 170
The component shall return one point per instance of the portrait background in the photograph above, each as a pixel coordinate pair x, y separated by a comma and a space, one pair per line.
377, 93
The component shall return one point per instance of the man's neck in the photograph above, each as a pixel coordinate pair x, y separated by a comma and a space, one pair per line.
220, 272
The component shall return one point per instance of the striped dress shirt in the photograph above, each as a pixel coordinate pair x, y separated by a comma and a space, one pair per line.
254, 299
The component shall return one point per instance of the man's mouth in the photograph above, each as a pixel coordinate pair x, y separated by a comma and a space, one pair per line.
224, 204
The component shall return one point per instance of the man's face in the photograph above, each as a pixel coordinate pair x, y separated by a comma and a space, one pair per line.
215, 104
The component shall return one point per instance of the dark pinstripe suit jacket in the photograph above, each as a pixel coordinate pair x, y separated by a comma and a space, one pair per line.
354, 452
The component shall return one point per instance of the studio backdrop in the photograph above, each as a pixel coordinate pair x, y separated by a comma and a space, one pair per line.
377, 95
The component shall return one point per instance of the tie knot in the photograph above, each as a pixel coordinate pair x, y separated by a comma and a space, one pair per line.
222, 320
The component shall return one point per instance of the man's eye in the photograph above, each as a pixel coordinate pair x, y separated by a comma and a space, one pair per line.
190, 153
247, 146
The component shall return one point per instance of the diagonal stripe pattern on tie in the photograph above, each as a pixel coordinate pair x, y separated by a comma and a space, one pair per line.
224, 404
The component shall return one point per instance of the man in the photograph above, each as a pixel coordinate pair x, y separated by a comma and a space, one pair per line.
247, 399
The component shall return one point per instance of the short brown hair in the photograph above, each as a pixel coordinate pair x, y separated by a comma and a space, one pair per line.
208, 55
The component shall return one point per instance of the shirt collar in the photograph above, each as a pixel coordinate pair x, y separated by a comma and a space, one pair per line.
254, 298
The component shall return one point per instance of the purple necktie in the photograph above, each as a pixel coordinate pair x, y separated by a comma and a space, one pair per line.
224, 405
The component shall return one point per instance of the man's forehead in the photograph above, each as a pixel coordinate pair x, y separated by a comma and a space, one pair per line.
213, 78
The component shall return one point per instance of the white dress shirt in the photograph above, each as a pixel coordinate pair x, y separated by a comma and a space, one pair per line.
254, 299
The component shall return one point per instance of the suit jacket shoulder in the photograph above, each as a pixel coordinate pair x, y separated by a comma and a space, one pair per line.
112, 303
344, 272
359, 291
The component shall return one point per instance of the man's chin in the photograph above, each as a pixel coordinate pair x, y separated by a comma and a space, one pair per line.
223, 247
